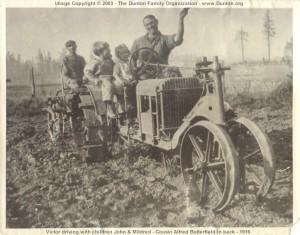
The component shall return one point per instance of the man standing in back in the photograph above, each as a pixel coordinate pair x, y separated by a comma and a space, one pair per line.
72, 66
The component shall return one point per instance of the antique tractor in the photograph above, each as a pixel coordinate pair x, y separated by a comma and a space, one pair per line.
185, 119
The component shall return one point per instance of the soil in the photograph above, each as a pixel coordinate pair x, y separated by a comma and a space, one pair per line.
51, 186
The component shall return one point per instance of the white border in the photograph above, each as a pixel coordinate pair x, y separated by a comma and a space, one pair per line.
296, 125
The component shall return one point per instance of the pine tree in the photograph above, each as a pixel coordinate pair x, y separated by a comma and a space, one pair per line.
269, 31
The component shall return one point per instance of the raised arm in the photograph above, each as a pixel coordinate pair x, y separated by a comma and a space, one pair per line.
180, 31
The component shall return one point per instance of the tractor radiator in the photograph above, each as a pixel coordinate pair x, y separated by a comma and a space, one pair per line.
177, 97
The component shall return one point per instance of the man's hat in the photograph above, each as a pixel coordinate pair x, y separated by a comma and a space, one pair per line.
70, 43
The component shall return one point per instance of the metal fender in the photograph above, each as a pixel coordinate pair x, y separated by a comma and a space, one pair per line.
205, 109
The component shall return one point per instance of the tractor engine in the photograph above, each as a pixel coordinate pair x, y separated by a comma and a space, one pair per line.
163, 103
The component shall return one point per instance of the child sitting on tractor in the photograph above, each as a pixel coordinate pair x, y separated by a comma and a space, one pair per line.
99, 70
124, 81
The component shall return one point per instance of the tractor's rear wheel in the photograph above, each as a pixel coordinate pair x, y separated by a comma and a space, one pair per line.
209, 165
111, 135
94, 141
256, 156
77, 129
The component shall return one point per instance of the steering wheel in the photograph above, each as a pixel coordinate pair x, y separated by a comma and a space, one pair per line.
144, 61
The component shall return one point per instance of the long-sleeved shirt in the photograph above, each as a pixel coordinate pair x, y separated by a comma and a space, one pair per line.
72, 67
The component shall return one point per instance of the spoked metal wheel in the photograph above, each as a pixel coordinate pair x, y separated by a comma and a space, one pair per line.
256, 156
93, 127
93, 141
209, 165
55, 126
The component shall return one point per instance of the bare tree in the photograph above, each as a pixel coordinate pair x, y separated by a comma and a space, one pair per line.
288, 56
242, 37
288, 51
269, 30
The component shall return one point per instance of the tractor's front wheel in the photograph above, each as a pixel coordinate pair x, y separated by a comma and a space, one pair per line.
256, 156
209, 165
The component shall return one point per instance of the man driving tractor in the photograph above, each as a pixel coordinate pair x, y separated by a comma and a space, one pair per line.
155, 40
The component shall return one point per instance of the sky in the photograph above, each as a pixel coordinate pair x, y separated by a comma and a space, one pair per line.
208, 32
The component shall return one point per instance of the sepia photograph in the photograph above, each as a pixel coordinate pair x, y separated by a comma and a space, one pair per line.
149, 117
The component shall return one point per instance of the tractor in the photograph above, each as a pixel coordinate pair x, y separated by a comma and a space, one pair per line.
184, 118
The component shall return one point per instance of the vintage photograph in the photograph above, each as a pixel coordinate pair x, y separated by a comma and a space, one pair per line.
150, 117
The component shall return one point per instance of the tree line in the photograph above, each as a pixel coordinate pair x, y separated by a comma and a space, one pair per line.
43, 67
46, 69
269, 32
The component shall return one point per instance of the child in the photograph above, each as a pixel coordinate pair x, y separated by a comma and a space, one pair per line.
122, 74
100, 70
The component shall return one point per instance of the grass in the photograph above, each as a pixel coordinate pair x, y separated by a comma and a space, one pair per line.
20, 103
24, 107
